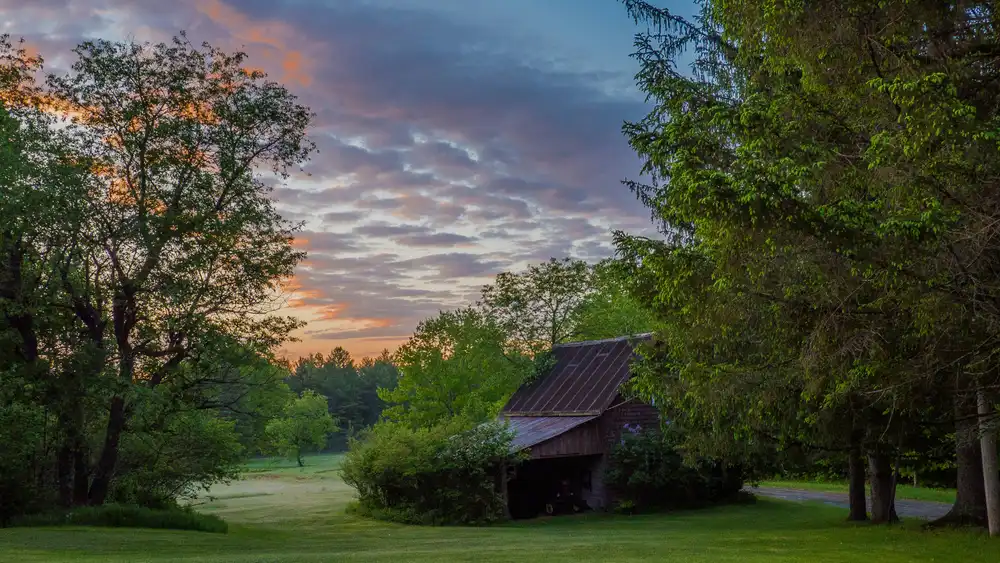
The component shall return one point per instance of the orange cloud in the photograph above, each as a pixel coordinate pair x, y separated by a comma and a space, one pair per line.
275, 35
332, 312
301, 294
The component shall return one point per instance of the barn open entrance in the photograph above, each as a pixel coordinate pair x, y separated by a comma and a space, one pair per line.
553, 486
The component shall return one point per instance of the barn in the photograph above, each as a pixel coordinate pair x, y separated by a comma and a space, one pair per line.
568, 420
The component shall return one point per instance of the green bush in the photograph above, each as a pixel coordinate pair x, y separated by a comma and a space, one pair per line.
127, 516
445, 474
648, 471
177, 461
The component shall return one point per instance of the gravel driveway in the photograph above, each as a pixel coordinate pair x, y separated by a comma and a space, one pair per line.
923, 509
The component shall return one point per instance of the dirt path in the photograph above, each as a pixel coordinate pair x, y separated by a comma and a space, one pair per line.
922, 509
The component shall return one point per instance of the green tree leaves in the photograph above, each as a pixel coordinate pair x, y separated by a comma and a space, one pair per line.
457, 364
142, 258
303, 426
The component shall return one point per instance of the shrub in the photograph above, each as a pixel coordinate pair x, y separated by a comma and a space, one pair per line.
648, 471
127, 516
191, 451
445, 474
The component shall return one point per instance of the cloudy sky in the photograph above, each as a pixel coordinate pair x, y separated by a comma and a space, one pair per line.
457, 138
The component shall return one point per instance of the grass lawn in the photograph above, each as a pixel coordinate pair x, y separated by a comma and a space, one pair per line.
281, 513
902, 491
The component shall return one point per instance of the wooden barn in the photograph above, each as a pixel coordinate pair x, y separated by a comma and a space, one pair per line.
569, 419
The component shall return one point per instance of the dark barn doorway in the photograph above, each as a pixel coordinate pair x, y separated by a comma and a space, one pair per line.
551, 486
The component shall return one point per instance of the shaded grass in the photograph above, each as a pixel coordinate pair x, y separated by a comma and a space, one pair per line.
127, 516
907, 492
300, 517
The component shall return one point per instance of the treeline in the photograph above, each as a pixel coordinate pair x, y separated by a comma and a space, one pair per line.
826, 283
350, 389
140, 261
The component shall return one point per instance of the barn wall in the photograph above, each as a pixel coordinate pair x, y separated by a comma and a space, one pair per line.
582, 440
632, 412
598, 437
612, 425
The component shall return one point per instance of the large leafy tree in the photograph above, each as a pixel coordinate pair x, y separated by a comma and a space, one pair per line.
610, 308
303, 427
537, 307
808, 188
183, 242
43, 189
457, 364
142, 255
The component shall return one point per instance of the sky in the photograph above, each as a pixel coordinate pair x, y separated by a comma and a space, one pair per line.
457, 138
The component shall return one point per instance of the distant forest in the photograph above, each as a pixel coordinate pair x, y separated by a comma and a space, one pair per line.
350, 388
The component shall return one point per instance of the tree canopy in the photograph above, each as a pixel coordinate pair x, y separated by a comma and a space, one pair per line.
303, 426
143, 259
819, 173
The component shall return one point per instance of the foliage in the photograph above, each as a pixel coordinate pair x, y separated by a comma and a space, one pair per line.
648, 470
457, 364
190, 452
127, 516
816, 175
351, 389
535, 308
22, 431
610, 309
303, 427
448, 473
141, 258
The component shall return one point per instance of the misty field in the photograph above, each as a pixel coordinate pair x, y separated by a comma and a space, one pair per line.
283, 513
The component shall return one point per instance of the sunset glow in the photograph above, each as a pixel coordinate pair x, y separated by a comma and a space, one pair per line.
454, 142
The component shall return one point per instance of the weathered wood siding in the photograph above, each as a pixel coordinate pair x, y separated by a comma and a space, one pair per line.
631, 412
582, 440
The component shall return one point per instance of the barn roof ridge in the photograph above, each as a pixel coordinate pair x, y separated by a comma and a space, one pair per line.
627, 338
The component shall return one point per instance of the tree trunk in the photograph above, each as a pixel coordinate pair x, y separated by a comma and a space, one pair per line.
64, 459
970, 496
298, 458
80, 475
109, 454
856, 490
504, 491
883, 485
991, 475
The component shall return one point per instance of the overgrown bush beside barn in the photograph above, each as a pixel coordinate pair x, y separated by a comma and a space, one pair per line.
647, 470
445, 474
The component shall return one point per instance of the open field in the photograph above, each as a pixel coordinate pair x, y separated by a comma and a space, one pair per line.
907, 492
281, 513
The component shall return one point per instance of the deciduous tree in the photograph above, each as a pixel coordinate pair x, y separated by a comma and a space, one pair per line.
303, 427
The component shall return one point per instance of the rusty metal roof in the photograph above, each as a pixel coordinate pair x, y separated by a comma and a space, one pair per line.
583, 382
533, 430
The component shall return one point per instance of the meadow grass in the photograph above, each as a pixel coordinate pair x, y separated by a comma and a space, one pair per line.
907, 492
289, 514
314, 464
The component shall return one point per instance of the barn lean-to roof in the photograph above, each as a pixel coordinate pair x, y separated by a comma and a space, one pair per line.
533, 430
583, 382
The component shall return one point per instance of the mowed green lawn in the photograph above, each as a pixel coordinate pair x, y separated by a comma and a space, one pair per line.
281, 513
